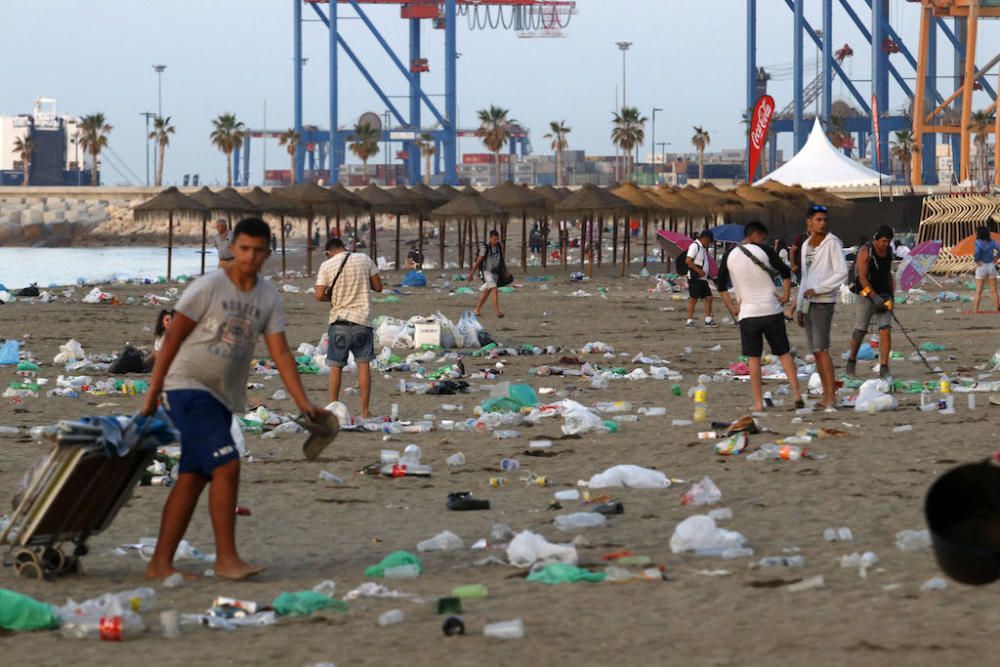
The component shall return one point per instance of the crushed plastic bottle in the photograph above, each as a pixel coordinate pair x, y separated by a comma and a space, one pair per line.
781, 561
444, 541
700, 394
391, 617
913, 540
842, 534
773, 451
505, 629
579, 520
126, 625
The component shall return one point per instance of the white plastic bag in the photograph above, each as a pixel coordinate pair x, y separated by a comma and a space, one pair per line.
704, 492
629, 476
528, 548
70, 351
699, 533
873, 396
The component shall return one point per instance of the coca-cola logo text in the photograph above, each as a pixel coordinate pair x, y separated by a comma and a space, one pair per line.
765, 107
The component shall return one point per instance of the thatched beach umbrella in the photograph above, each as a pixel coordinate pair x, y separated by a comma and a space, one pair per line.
597, 202
447, 191
309, 200
552, 197
216, 204
410, 204
349, 204
465, 208
434, 199
513, 199
266, 203
171, 200
645, 203
379, 201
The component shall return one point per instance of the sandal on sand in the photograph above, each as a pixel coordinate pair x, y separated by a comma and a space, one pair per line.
499, 314
321, 434
747, 423
799, 404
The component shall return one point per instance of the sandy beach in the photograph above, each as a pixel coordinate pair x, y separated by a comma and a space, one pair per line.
708, 611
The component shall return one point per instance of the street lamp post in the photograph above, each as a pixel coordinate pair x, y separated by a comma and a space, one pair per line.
148, 115
159, 106
653, 153
623, 47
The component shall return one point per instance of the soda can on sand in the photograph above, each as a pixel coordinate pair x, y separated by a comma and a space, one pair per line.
498, 482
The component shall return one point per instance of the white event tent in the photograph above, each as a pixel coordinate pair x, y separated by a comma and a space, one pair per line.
820, 165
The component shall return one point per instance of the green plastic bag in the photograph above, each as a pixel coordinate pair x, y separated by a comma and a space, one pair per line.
465, 290
395, 559
563, 573
506, 290
518, 396
20, 612
304, 603
932, 347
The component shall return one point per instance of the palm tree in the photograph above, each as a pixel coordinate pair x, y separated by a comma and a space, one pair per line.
162, 129
981, 124
557, 133
495, 129
23, 148
290, 140
364, 143
903, 149
93, 138
427, 150
227, 135
627, 132
700, 141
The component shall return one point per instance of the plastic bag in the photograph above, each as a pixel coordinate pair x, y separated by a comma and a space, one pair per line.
704, 492
699, 532
629, 476
873, 396
562, 573
304, 603
70, 351
395, 559
528, 548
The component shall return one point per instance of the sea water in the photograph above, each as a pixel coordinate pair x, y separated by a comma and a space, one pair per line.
19, 267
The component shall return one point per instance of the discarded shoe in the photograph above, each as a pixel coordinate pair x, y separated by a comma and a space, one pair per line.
464, 502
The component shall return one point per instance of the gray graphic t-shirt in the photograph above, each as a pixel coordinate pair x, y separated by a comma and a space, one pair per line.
216, 356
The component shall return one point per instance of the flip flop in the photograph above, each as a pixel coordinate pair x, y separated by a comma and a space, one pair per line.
499, 314
321, 434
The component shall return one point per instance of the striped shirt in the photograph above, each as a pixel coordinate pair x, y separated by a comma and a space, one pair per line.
351, 299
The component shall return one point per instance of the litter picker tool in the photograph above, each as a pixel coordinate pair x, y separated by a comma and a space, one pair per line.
905, 333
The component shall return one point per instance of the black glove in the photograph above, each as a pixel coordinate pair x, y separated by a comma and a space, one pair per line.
878, 302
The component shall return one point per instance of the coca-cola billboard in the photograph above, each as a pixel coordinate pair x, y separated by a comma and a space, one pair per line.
760, 121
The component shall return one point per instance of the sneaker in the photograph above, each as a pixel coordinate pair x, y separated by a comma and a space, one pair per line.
711, 323
852, 367
691, 323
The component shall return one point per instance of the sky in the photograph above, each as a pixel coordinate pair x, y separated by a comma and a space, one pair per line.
688, 57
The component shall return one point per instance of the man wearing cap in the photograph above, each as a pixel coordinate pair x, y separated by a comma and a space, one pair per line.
698, 287
823, 272
222, 243
875, 285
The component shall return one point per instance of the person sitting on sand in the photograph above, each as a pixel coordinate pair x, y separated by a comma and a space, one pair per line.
985, 253
748, 268
490, 265
203, 367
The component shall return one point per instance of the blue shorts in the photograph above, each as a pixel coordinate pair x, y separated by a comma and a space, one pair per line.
204, 423
348, 337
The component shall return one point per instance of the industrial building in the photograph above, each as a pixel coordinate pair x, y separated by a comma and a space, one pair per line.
56, 158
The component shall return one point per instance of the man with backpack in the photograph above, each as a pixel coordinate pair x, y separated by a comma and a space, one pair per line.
823, 272
696, 261
874, 284
749, 268
493, 271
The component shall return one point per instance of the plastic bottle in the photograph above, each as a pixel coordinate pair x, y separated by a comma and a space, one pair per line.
782, 561
127, 625
409, 571
391, 617
9, 430
947, 397
653, 412
578, 520
773, 451
456, 459
700, 403
505, 629
509, 465
406, 470
972, 401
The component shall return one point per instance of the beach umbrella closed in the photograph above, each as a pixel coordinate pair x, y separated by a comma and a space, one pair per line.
170, 201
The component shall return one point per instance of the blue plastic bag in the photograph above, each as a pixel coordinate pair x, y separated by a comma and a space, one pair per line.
9, 352
414, 279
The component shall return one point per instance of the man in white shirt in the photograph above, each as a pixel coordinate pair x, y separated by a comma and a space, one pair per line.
346, 280
698, 287
749, 269
222, 242
824, 270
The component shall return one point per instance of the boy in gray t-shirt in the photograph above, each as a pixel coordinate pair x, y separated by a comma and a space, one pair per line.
202, 370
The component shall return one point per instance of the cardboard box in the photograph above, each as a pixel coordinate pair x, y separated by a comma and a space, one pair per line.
428, 333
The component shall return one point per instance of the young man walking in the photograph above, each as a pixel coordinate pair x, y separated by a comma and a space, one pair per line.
749, 269
824, 270
222, 243
346, 280
203, 368
698, 287
875, 285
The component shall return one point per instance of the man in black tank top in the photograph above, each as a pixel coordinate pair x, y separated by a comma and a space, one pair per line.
874, 287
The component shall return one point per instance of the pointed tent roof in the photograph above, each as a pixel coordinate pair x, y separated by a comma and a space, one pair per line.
170, 199
820, 165
592, 198
468, 204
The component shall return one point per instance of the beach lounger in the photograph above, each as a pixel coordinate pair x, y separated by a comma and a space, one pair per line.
77, 489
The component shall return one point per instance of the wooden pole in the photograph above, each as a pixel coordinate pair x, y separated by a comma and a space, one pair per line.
584, 226
420, 234
339, 231
204, 240
563, 241
441, 231
170, 243
461, 244
524, 241
545, 241
614, 239
354, 239
282, 244
600, 241
327, 228
309, 245
916, 160
398, 267
645, 239
372, 238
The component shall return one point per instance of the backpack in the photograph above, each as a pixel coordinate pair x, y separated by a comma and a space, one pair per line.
852, 271
680, 264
